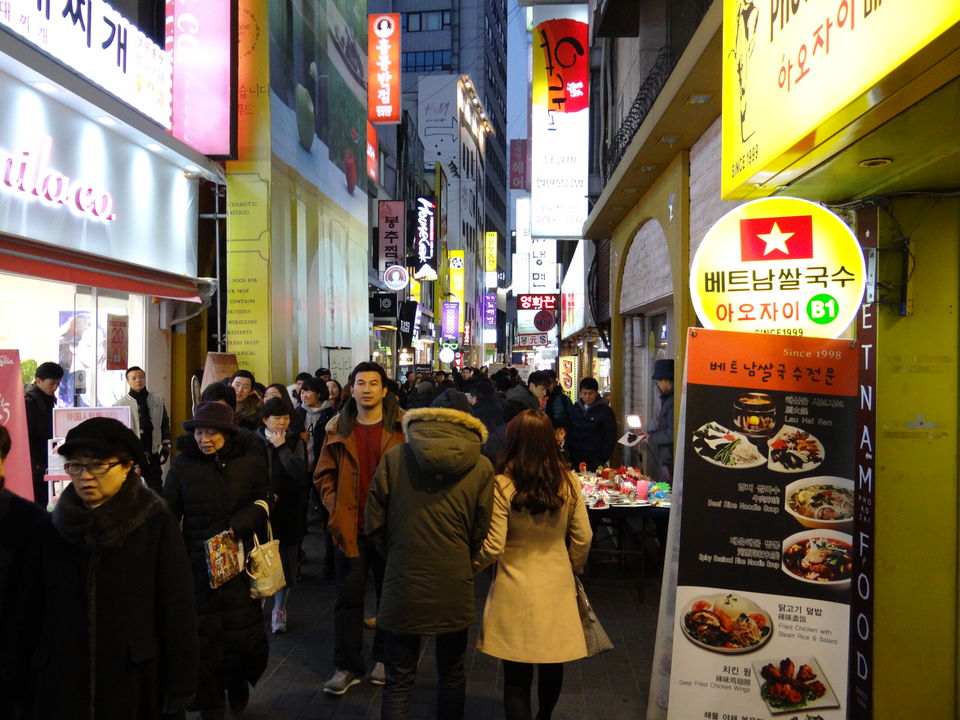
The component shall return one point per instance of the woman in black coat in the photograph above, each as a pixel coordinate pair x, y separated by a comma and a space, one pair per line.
115, 625
287, 460
213, 485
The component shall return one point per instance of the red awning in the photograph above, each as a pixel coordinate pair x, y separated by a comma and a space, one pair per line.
27, 257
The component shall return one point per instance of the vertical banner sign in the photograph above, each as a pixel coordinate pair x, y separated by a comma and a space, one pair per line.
490, 258
373, 153
490, 318
200, 39
560, 119
449, 321
390, 218
568, 376
519, 168
425, 239
13, 416
543, 266
408, 321
861, 628
765, 558
383, 68
457, 282
118, 340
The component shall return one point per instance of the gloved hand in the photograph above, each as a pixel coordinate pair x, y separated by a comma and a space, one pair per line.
164, 453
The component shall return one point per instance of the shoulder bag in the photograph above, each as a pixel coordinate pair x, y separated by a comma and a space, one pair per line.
593, 632
263, 562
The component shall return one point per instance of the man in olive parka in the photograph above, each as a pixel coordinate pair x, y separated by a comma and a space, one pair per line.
428, 512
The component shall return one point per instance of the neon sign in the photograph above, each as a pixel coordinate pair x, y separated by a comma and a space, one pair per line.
426, 240
27, 171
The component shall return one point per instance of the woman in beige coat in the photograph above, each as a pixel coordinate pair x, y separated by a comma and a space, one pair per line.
539, 536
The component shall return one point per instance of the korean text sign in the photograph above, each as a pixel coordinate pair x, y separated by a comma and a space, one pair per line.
383, 61
391, 220
781, 266
802, 63
766, 450
559, 120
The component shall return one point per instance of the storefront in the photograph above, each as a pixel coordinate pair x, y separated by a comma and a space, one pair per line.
98, 231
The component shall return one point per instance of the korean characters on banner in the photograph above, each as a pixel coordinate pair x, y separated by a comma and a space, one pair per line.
778, 265
383, 68
391, 220
766, 550
543, 265
560, 119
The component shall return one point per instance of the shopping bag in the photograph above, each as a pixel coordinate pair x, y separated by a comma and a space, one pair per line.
593, 632
224, 554
263, 563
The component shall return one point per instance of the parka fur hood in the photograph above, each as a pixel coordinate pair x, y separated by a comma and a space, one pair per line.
444, 441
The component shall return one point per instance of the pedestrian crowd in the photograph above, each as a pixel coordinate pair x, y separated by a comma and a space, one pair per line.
108, 604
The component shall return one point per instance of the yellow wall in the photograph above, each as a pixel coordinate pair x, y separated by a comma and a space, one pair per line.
915, 651
655, 204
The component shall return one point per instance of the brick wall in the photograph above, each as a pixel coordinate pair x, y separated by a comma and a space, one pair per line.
647, 275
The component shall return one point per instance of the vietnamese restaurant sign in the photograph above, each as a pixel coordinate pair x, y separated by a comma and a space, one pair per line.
779, 266
790, 69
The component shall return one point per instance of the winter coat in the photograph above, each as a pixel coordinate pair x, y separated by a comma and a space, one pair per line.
490, 411
289, 483
158, 418
521, 394
20, 524
116, 627
591, 434
39, 407
213, 493
337, 475
531, 611
559, 408
660, 439
318, 431
427, 513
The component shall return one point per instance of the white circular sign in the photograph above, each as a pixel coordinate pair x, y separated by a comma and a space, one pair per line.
396, 277
446, 355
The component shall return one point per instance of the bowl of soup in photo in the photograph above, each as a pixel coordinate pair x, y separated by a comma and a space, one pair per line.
823, 501
819, 557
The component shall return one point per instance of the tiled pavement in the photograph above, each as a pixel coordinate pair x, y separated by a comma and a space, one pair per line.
612, 686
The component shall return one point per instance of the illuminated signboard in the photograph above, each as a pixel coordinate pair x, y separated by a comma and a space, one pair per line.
383, 65
95, 41
519, 167
199, 36
490, 318
391, 229
560, 119
778, 265
456, 277
490, 259
543, 265
536, 302
804, 63
373, 155
450, 321
425, 237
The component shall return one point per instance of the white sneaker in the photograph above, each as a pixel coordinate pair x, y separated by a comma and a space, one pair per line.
341, 681
378, 676
278, 622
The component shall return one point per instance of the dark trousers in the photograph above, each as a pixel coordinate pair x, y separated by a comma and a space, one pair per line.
401, 653
348, 609
152, 472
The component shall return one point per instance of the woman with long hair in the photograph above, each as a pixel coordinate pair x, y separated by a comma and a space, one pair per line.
539, 536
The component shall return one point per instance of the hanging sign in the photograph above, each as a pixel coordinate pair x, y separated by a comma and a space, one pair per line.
450, 319
781, 266
383, 66
765, 559
391, 231
118, 339
425, 239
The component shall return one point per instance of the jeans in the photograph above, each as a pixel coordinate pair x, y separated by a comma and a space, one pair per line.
348, 609
401, 653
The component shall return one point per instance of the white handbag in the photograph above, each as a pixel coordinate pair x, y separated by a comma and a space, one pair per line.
263, 562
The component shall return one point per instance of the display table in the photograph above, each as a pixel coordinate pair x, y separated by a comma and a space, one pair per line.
629, 538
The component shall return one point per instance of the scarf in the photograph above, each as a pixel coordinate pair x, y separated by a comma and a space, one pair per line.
146, 424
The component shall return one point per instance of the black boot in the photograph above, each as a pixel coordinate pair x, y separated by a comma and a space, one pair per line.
238, 695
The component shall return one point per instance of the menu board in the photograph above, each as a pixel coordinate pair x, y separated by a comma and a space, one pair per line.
766, 552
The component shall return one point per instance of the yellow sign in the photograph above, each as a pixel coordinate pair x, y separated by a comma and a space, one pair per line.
568, 379
415, 290
781, 266
490, 252
456, 265
790, 67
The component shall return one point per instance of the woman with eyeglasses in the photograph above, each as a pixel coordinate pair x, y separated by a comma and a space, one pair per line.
213, 484
115, 627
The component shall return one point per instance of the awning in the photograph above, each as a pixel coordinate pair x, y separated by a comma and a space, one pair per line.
28, 257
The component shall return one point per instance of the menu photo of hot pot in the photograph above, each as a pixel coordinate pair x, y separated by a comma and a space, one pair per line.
766, 552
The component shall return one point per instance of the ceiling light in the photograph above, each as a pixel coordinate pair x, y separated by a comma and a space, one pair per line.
699, 98
154, 147
647, 168
191, 170
106, 120
875, 162
45, 87
669, 139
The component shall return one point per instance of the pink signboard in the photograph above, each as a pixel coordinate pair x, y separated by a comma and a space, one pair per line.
199, 37
13, 416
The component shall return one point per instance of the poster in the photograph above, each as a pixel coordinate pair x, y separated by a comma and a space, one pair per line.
766, 551
118, 341
13, 416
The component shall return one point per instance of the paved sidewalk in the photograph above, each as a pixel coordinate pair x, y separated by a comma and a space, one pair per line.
612, 686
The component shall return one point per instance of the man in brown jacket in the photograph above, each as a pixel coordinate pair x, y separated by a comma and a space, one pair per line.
368, 425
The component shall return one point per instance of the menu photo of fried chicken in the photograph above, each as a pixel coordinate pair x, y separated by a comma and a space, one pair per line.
791, 684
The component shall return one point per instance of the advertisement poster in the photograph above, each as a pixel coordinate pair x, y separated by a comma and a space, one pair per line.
67, 418
766, 551
13, 416
118, 341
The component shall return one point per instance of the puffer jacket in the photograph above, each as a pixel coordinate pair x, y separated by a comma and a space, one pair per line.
337, 475
428, 512
591, 434
289, 483
212, 493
